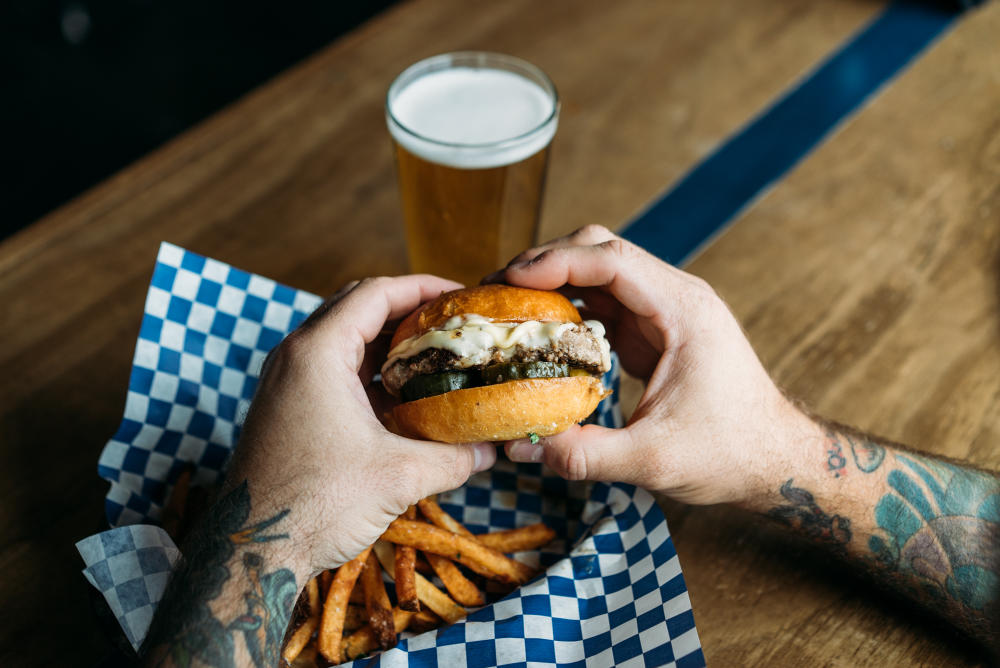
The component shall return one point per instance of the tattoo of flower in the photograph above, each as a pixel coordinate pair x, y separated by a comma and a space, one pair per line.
940, 524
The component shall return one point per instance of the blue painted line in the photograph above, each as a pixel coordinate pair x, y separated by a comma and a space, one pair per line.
719, 187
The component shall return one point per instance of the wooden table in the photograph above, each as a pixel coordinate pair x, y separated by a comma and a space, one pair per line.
867, 280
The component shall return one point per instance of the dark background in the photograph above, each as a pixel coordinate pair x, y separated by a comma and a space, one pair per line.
90, 86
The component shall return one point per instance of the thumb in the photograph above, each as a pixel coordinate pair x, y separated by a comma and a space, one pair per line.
440, 467
582, 453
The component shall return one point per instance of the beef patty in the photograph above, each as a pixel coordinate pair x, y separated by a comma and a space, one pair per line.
576, 346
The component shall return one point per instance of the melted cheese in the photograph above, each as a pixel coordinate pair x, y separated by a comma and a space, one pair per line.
472, 338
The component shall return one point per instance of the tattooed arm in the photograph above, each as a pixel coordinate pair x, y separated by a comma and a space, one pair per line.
231, 598
315, 480
712, 427
926, 528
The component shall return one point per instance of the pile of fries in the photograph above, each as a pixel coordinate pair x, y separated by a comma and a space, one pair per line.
346, 614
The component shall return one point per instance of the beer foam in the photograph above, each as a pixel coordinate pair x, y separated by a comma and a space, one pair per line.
472, 118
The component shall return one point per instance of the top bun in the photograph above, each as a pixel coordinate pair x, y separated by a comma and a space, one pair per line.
502, 303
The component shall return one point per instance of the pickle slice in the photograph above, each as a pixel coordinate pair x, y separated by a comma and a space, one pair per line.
420, 387
501, 373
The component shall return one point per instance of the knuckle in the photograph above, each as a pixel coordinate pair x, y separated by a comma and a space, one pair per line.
459, 467
544, 256
618, 247
344, 291
703, 287
573, 462
375, 282
592, 233
292, 349
520, 257
710, 302
287, 357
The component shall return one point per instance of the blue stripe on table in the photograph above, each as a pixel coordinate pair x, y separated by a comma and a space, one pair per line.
722, 185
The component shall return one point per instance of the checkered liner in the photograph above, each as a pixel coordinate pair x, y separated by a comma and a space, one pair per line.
130, 566
612, 592
205, 333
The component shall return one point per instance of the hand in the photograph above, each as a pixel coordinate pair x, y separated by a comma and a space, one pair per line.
312, 441
710, 424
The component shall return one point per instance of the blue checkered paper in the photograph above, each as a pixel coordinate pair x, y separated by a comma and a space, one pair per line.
130, 566
206, 330
612, 592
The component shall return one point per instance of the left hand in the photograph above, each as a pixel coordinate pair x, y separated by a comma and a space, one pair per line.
711, 426
312, 441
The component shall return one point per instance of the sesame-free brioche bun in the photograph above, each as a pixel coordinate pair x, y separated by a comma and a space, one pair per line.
502, 412
497, 302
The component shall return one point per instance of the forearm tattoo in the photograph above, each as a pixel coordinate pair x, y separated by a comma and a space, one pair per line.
185, 630
939, 528
933, 533
803, 514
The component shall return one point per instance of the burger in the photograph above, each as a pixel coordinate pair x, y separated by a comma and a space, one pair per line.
495, 363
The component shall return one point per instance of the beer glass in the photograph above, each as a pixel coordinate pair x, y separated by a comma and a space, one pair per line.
471, 132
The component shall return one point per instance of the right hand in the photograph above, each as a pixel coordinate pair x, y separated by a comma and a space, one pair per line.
710, 426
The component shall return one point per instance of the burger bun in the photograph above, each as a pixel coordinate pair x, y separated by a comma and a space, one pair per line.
502, 412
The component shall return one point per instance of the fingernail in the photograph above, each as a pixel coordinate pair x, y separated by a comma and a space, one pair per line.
484, 456
525, 451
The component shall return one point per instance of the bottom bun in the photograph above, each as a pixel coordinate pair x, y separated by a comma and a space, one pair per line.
502, 412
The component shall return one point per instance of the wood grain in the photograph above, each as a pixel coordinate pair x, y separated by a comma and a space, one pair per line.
868, 283
296, 181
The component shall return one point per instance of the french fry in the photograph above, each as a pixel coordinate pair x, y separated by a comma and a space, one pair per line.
312, 596
325, 578
355, 618
357, 594
346, 614
406, 557
421, 565
436, 516
377, 603
467, 551
363, 641
529, 537
302, 635
331, 627
438, 601
499, 588
425, 620
459, 586
306, 658
299, 639
429, 595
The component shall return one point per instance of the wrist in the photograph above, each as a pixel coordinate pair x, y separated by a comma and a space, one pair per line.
813, 456
276, 524
794, 448
241, 571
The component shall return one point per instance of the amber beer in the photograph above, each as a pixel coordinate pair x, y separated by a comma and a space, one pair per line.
471, 133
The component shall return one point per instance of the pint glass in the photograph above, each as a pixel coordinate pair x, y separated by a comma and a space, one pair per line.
471, 133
